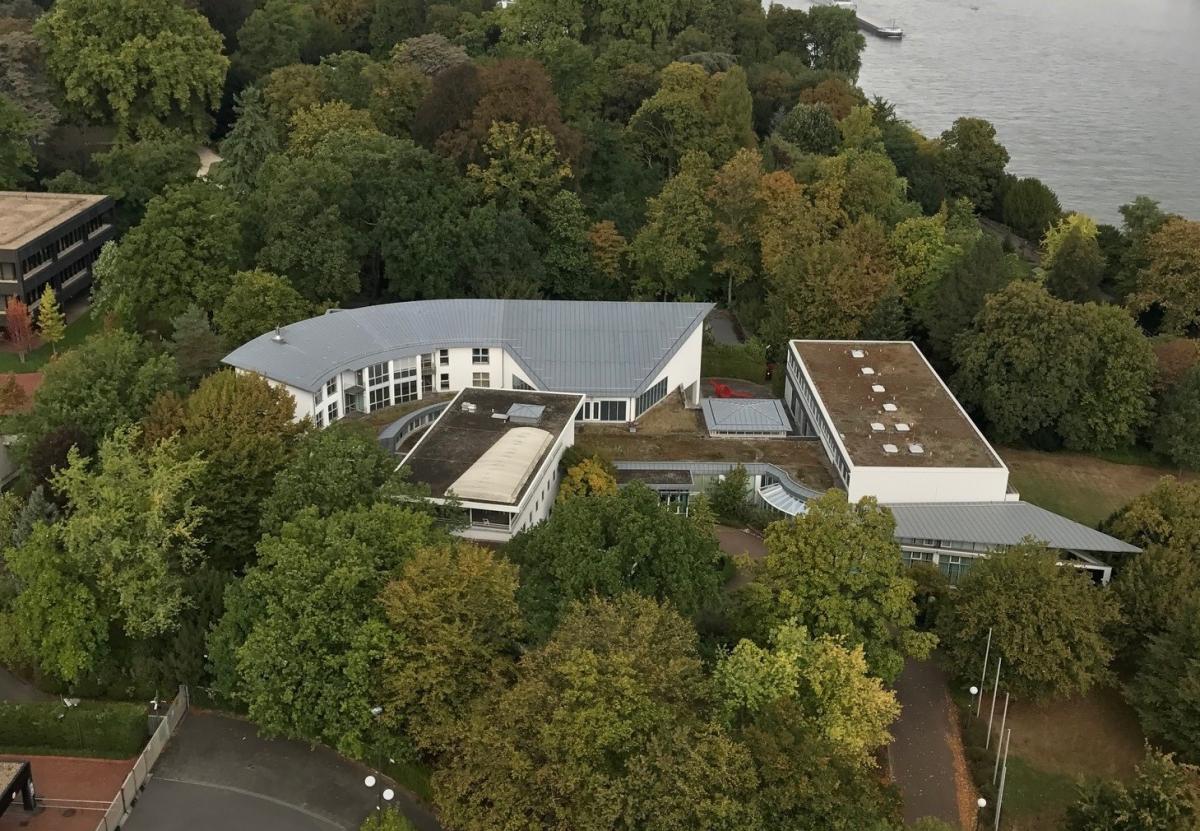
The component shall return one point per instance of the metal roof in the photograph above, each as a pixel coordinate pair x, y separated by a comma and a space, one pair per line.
504, 468
999, 523
760, 415
595, 347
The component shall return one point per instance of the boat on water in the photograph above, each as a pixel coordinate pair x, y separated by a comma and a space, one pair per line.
891, 31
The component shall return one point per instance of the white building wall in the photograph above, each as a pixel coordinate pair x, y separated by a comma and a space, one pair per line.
928, 484
683, 370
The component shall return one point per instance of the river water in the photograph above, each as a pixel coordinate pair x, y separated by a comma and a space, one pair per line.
1100, 99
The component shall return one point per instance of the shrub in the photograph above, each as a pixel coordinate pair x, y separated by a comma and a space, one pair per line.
747, 361
101, 729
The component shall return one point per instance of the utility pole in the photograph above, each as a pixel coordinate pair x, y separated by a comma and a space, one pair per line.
992, 714
999, 746
983, 675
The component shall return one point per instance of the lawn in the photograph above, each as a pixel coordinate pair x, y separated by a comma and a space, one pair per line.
35, 360
1085, 488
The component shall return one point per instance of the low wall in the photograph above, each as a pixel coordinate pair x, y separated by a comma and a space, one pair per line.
391, 436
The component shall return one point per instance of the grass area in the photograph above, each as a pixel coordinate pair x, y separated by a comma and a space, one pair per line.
413, 777
1055, 746
35, 360
1085, 488
105, 730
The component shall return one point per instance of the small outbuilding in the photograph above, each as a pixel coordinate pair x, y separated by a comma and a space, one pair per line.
742, 418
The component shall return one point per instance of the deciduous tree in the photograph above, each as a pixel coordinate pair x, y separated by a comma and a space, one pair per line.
736, 204
1170, 282
1178, 411
1049, 622
1168, 515
16, 154
51, 323
671, 249
1164, 796
12, 396
1077, 268
18, 325
1152, 588
587, 478
1163, 691
972, 161
1030, 208
257, 302
139, 64
812, 128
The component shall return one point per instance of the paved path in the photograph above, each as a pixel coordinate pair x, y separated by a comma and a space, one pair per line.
217, 772
924, 763
735, 542
722, 328
13, 688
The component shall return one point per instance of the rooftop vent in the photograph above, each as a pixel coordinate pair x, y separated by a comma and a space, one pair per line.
878, 388
891, 448
916, 449
278, 336
866, 370
529, 414
902, 427
468, 407
876, 426
891, 408
857, 353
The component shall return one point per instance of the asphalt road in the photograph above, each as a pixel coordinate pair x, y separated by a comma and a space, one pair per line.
13, 688
217, 772
923, 762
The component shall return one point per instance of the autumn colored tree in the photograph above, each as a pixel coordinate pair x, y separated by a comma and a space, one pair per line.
19, 326
736, 205
588, 478
12, 396
51, 323
1171, 281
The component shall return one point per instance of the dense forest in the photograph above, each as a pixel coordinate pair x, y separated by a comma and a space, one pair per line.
172, 524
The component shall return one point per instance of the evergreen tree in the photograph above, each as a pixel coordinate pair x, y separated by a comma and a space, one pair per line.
196, 347
249, 143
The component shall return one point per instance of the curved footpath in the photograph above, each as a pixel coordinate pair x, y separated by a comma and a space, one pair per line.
217, 772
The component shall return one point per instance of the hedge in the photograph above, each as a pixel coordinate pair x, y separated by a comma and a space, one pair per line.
94, 728
746, 361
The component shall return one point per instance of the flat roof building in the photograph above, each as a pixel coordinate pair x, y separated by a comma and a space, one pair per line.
890, 426
50, 238
497, 453
745, 417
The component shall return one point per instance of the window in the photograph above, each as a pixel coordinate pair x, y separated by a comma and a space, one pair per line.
518, 384
954, 567
444, 357
8, 271
319, 418
651, 396
332, 410
481, 379
611, 410
381, 397
331, 387
406, 391
358, 377
480, 356
378, 373
406, 368
444, 381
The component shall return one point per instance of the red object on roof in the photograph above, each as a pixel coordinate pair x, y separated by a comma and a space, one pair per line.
725, 391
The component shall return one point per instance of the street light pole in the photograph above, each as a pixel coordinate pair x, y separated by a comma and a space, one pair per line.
992, 714
980, 804
983, 675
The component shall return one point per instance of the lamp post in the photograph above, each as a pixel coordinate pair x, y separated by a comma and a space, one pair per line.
382, 794
980, 804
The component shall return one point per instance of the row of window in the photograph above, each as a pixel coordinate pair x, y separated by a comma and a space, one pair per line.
803, 396
651, 397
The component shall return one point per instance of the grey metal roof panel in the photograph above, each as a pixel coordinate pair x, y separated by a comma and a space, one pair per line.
999, 523
766, 414
598, 347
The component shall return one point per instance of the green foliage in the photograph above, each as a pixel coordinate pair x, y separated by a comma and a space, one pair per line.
104, 383
671, 250
196, 348
836, 570
1077, 268
1170, 282
1152, 587
1164, 796
184, 251
388, 819
1178, 412
249, 143
107, 730
590, 477
331, 470
1035, 363
612, 704
133, 173
274, 35
257, 302
747, 361
454, 620
305, 625
1166, 515
310, 126
606, 545
812, 128
51, 324
1164, 691
972, 161
730, 495
1049, 623
139, 64
16, 156
1030, 208
948, 305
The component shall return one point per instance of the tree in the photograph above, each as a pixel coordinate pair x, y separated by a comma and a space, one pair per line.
1077, 268
454, 621
289, 89
331, 470
847, 705
1170, 282
307, 630
51, 323
951, 303
248, 144
183, 252
195, 346
397, 90
106, 382
971, 161
812, 128
589, 477
613, 704
1164, 796
1034, 363
243, 426
737, 204
1073, 224
24, 81
1049, 622
18, 324
257, 302
133, 173
1030, 208
16, 155
274, 35
1163, 691
394, 21
311, 125
48, 455
833, 40
12, 396
1177, 411
923, 255
670, 250
1152, 587
429, 54
118, 562
609, 544
139, 64
836, 570
1167, 515
524, 170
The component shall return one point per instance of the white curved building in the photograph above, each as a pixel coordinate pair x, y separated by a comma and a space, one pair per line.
623, 357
